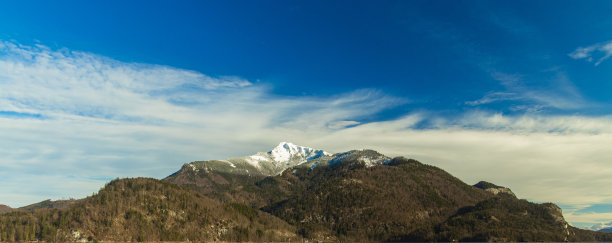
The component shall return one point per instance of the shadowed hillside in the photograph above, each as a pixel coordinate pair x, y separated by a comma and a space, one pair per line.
145, 210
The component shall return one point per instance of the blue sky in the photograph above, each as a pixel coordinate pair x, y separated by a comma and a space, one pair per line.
425, 51
513, 92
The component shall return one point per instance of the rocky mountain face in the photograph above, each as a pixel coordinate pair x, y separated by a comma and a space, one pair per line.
495, 189
296, 193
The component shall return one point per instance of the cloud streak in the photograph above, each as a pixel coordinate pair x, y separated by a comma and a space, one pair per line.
560, 94
100, 118
598, 52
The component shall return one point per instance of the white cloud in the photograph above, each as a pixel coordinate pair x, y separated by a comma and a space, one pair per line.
599, 51
602, 225
592, 221
562, 125
102, 118
560, 93
517, 152
342, 124
494, 97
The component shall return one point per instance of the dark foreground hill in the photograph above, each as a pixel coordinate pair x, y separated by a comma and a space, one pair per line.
505, 218
145, 210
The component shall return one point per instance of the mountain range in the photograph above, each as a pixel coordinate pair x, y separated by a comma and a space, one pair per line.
296, 193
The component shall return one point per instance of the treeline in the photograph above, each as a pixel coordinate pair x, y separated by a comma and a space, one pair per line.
145, 210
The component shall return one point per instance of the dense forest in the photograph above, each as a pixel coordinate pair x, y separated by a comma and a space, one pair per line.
144, 209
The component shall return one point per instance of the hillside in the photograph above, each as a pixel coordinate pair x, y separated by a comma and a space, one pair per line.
145, 210
403, 200
505, 218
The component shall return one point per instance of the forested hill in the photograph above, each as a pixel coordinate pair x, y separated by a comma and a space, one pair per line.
145, 209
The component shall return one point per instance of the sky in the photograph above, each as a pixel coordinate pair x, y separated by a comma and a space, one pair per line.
512, 92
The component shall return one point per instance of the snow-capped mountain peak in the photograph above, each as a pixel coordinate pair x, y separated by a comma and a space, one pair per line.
284, 156
285, 151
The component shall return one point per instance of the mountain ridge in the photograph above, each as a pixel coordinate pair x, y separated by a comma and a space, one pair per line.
280, 158
297, 194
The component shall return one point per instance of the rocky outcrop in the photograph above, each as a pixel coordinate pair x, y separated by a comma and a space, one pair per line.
5, 209
492, 188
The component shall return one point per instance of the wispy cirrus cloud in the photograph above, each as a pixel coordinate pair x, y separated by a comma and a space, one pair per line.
603, 225
598, 52
494, 97
560, 93
68, 113
594, 217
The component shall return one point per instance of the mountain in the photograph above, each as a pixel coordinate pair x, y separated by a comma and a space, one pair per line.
234, 179
362, 195
606, 230
296, 193
285, 155
245, 182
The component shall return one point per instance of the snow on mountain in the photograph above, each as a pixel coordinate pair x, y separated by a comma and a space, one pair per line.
285, 156
255, 160
366, 157
285, 151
